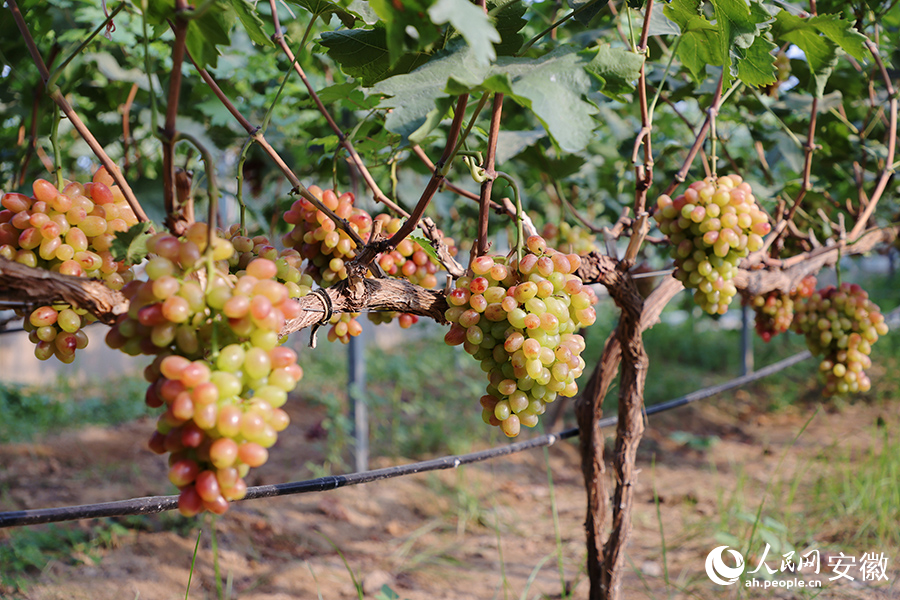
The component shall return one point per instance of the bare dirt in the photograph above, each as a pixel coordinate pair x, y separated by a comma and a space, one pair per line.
446, 535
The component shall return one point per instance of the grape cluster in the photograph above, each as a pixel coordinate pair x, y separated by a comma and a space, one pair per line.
712, 226
69, 232
520, 321
841, 324
223, 407
288, 262
316, 236
775, 310
220, 419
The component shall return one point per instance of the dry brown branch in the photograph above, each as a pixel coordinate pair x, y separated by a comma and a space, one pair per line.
372, 295
791, 271
176, 220
588, 410
888, 170
32, 286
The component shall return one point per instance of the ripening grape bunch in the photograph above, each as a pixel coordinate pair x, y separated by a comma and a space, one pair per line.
775, 310
219, 369
220, 419
519, 319
841, 324
69, 232
316, 236
712, 226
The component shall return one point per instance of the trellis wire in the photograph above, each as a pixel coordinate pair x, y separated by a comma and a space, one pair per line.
157, 504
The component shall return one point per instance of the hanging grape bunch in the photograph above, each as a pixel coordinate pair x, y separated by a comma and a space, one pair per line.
775, 310
520, 321
219, 371
840, 325
69, 232
712, 226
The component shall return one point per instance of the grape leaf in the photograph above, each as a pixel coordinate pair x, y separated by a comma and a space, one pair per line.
131, 245
589, 9
756, 66
406, 24
251, 22
209, 30
363, 53
471, 22
509, 23
819, 37
324, 9
617, 69
700, 44
557, 79
427, 246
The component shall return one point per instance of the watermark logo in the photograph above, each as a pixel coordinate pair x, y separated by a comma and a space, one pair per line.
870, 567
721, 573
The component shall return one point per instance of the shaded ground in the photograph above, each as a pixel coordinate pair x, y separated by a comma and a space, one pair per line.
452, 534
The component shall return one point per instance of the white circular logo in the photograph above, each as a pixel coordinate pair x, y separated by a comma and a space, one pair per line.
721, 573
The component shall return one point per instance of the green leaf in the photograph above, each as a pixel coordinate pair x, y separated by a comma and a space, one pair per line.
737, 29
552, 86
324, 9
471, 22
363, 53
843, 34
427, 246
208, 31
756, 66
617, 69
819, 38
700, 43
511, 143
406, 24
509, 22
589, 9
251, 22
131, 245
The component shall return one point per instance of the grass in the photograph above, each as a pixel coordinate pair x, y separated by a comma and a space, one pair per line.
30, 411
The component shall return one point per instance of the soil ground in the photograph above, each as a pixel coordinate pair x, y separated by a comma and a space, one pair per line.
452, 534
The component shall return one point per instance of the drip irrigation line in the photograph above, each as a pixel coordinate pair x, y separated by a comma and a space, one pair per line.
157, 504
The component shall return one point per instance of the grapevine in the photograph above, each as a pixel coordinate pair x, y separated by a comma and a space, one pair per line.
520, 321
712, 226
840, 325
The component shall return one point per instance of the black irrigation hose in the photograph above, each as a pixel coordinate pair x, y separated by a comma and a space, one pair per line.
157, 504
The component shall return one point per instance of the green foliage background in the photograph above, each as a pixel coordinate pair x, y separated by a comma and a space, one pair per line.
389, 73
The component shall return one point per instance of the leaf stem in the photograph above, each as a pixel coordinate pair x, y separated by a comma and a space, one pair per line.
57, 151
54, 75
